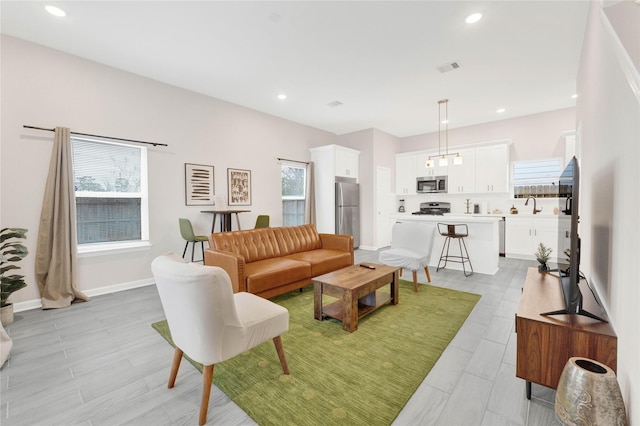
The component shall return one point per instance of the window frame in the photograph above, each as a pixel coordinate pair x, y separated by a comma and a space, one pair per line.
550, 180
294, 198
94, 249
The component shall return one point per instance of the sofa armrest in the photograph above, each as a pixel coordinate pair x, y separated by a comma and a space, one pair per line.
337, 242
232, 263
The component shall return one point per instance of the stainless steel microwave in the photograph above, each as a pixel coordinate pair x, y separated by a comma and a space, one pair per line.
428, 184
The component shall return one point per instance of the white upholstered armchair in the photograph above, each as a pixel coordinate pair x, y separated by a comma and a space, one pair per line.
411, 244
208, 322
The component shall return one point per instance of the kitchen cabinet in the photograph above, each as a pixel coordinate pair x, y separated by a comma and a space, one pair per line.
523, 234
484, 169
462, 178
492, 168
405, 174
331, 161
422, 170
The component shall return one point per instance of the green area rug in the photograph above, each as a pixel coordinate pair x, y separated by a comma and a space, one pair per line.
340, 378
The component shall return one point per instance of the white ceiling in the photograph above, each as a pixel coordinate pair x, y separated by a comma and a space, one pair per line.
378, 58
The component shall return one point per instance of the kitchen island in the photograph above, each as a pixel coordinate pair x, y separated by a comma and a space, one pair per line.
482, 243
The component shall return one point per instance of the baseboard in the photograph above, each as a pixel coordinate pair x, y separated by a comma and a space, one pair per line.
37, 304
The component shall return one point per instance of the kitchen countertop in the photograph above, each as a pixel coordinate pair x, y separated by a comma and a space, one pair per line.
482, 241
449, 216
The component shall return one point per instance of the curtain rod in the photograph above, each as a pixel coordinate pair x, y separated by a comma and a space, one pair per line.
293, 161
98, 136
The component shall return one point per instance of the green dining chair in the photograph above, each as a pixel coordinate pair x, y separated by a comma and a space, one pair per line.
186, 230
262, 221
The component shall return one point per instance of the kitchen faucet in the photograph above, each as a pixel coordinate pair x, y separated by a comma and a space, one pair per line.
526, 203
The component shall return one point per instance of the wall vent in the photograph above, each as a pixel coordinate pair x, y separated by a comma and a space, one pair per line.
449, 66
334, 104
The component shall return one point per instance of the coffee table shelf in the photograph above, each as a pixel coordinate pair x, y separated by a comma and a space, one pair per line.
335, 309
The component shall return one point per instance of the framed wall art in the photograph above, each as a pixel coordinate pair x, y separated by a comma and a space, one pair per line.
199, 184
239, 187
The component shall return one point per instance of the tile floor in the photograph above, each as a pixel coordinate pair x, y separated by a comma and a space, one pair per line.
100, 363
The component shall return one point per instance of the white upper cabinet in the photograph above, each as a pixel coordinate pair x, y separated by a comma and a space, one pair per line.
422, 169
462, 178
405, 174
346, 162
336, 160
492, 168
484, 169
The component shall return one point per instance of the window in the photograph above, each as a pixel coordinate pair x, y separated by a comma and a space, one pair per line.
111, 192
536, 178
294, 182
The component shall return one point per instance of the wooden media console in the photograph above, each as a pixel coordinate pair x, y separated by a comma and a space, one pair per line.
545, 343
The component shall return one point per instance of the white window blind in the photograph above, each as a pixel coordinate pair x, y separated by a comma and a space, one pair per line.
536, 178
534, 171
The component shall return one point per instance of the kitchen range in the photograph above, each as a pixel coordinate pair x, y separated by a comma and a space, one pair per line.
434, 209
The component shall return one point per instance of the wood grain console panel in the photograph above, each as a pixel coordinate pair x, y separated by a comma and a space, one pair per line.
545, 343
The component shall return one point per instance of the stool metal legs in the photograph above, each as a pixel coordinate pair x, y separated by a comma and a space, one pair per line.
193, 249
463, 258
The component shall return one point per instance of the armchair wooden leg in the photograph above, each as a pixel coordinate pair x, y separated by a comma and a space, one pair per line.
426, 269
415, 281
207, 378
283, 360
177, 357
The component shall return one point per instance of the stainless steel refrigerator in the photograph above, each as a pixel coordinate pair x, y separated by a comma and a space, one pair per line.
348, 210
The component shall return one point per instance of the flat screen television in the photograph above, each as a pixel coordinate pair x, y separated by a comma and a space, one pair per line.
569, 264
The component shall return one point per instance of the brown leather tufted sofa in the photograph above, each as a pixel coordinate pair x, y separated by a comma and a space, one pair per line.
273, 261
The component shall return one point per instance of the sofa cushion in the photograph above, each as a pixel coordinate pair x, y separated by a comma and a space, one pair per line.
270, 273
323, 260
253, 244
295, 239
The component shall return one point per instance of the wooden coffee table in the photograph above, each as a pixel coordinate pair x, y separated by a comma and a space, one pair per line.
355, 288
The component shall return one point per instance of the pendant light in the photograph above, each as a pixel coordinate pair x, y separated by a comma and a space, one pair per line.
442, 157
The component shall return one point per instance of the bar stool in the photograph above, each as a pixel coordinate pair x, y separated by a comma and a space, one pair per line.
457, 231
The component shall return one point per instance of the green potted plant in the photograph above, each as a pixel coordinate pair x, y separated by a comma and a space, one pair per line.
11, 251
542, 256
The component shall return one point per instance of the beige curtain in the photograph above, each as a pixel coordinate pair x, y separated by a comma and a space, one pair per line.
56, 262
310, 205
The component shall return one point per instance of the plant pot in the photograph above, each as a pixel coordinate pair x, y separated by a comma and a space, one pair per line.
543, 267
6, 314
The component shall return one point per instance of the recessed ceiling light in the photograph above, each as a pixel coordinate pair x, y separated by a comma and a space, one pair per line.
574, 96
473, 18
55, 11
282, 96
500, 110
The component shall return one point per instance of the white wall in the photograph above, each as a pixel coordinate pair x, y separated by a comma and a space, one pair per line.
534, 137
608, 114
48, 88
